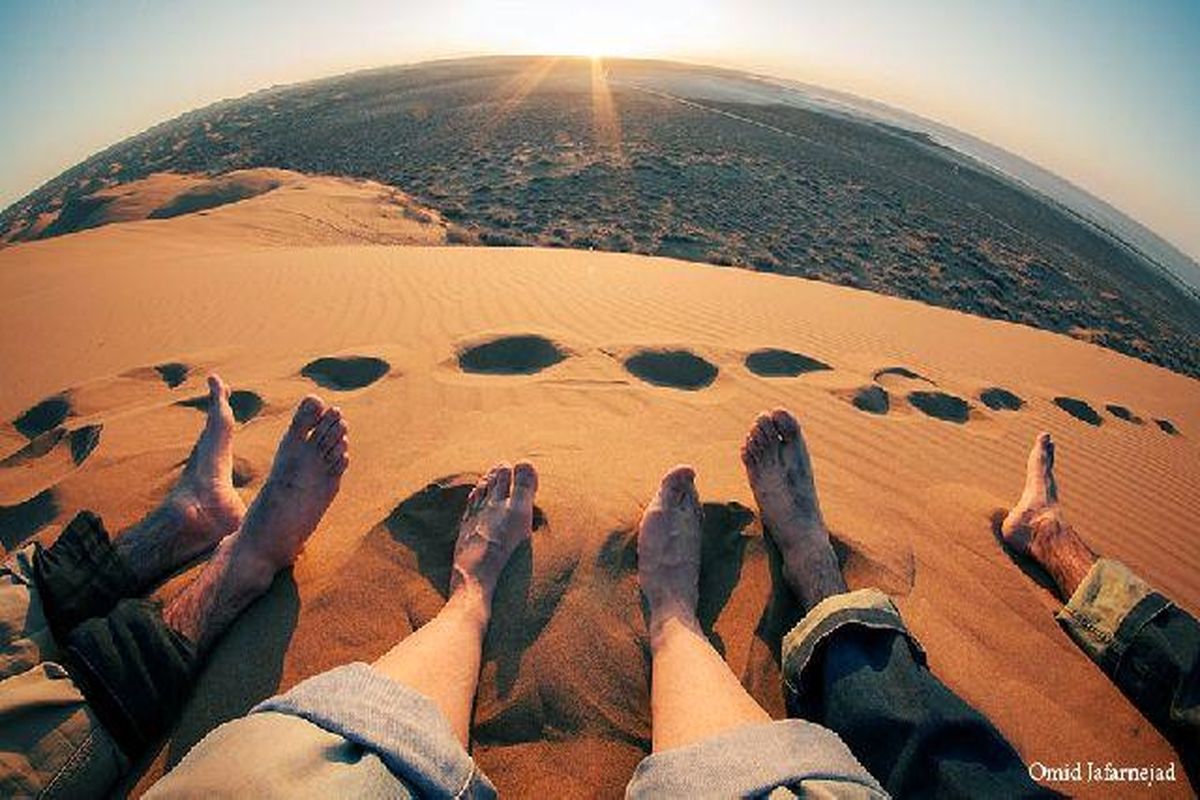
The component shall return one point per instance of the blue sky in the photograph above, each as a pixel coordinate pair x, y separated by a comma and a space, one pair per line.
1104, 93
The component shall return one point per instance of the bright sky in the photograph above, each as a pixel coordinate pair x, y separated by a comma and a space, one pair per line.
1105, 93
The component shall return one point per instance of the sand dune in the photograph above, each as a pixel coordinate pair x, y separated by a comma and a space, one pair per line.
255, 206
604, 370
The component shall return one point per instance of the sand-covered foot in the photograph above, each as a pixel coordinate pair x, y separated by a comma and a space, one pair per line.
304, 479
669, 549
208, 506
781, 477
1038, 499
498, 518
1036, 528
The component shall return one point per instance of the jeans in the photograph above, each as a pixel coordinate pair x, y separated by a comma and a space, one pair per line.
1148, 646
852, 666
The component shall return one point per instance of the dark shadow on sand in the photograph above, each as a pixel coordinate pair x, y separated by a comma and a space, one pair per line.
173, 373
245, 404
20, 521
871, 399
1123, 413
941, 406
213, 195
344, 373
1079, 409
244, 669
83, 441
39, 446
43, 417
722, 550
999, 399
773, 363
511, 355
1167, 427
899, 372
677, 369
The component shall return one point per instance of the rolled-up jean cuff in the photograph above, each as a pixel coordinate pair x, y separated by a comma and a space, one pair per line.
752, 761
81, 575
400, 725
1108, 609
868, 608
134, 671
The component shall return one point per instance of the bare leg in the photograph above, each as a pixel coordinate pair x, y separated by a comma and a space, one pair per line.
781, 476
1036, 527
442, 659
304, 479
693, 694
201, 509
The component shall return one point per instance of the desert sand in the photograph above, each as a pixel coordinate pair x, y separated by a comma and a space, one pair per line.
909, 493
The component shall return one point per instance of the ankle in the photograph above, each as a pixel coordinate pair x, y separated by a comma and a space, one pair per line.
813, 574
1061, 552
253, 570
666, 617
472, 600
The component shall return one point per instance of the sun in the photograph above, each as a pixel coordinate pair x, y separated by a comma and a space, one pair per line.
602, 29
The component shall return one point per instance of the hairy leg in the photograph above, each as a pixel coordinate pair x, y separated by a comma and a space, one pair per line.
199, 511
1037, 528
304, 479
442, 659
781, 476
693, 693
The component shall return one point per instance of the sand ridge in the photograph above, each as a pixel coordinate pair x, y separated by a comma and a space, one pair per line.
909, 497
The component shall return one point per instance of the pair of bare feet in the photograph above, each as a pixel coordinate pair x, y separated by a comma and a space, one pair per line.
781, 476
204, 511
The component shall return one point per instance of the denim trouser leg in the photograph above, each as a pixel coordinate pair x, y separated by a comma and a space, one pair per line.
851, 666
348, 732
1148, 647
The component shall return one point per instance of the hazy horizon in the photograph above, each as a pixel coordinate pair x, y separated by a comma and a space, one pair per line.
1097, 93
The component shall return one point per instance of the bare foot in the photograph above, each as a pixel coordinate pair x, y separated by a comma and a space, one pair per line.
498, 518
1036, 528
781, 476
207, 505
304, 479
669, 550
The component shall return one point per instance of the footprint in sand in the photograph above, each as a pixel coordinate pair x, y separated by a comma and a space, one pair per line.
20, 521
900, 372
1121, 412
81, 442
245, 404
1080, 410
343, 373
1167, 426
525, 354
677, 369
412, 549
172, 373
774, 363
999, 399
871, 399
45, 416
940, 405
